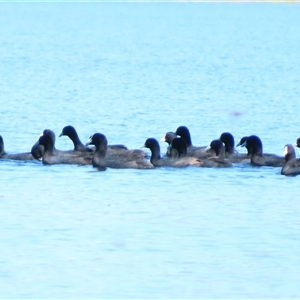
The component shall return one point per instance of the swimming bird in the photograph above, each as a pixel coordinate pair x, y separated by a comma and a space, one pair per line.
159, 161
168, 138
184, 132
255, 149
178, 147
230, 152
219, 160
297, 144
290, 167
15, 156
228, 140
37, 151
124, 160
71, 132
51, 157
218, 147
194, 151
242, 141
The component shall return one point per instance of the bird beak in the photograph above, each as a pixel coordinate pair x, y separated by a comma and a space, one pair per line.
89, 142
163, 139
207, 148
242, 145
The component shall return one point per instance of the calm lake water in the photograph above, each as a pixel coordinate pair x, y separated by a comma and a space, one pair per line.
133, 71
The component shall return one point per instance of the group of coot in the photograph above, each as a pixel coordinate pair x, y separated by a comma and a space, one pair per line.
180, 153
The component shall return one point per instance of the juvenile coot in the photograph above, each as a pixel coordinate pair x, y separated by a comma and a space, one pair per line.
242, 141
255, 149
2, 152
230, 152
218, 147
297, 144
71, 132
168, 138
228, 140
127, 159
51, 157
290, 167
219, 160
38, 152
194, 151
178, 147
16, 156
159, 161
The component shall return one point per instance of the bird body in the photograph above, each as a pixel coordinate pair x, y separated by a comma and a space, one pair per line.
290, 167
120, 160
254, 147
13, 156
159, 161
52, 156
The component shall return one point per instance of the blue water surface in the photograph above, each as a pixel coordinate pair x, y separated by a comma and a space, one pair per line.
133, 71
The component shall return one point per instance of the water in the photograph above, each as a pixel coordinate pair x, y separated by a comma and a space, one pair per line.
133, 71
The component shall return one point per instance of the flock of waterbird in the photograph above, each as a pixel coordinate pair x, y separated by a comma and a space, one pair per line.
180, 152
